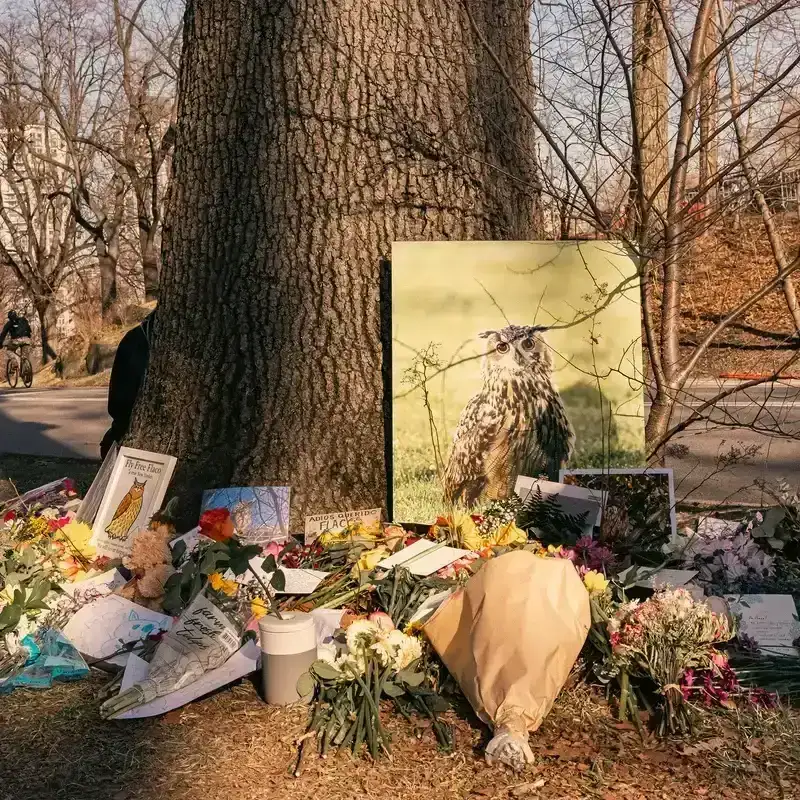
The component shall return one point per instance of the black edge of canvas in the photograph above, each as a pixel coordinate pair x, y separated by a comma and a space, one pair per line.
386, 370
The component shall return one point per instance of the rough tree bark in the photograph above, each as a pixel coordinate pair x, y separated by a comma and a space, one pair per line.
651, 100
311, 135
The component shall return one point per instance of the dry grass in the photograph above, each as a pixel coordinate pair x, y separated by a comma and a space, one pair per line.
231, 746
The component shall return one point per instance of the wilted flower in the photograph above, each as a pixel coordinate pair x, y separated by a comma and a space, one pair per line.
368, 560
382, 619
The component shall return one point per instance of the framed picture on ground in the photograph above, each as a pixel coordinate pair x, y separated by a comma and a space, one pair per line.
639, 509
135, 491
508, 359
260, 514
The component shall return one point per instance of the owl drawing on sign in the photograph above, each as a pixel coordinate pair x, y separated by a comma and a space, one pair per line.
514, 425
127, 511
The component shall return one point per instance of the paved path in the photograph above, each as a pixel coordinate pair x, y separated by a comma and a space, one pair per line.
750, 423
71, 423
67, 423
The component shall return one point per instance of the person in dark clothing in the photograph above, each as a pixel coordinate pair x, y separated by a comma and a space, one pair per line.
127, 375
17, 330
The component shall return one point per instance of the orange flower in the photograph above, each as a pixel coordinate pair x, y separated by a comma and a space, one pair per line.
216, 524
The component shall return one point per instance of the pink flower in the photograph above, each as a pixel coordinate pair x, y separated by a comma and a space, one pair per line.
273, 549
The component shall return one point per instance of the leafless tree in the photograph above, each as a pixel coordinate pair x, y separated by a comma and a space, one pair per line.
39, 240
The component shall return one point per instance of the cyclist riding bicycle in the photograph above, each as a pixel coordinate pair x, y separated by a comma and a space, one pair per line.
18, 331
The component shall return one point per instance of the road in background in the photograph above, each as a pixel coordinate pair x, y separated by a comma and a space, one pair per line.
64, 423
748, 423
71, 422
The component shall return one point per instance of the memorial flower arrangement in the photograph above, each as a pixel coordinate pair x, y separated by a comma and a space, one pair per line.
375, 662
657, 641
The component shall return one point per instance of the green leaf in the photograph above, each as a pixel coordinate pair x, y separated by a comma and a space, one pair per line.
278, 581
28, 558
325, 671
10, 616
39, 591
269, 564
36, 605
410, 678
178, 553
212, 561
393, 690
306, 685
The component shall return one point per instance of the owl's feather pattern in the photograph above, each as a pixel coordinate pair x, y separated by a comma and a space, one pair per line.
516, 424
127, 511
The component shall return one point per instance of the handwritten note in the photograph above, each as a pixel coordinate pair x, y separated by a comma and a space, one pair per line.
318, 524
770, 619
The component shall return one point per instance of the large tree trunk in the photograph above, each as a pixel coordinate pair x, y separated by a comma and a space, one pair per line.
107, 264
311, 136
651, 99
45, 316
149, 254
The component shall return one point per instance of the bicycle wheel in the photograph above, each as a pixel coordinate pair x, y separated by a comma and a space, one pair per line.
26, 372
12, 373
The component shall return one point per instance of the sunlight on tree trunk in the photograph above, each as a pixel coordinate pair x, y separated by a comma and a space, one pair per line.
310, 137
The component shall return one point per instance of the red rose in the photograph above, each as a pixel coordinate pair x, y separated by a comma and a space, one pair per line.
216, 524
10, 516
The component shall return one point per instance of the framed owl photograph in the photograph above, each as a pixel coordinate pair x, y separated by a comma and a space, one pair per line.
260, 514
135, 491
508, 359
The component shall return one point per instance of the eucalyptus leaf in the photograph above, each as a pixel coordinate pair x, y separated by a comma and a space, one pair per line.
393, 690
325, 671
306, 685
410, 678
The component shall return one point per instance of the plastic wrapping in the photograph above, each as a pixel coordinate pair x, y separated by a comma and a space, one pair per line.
510, 638
51, 658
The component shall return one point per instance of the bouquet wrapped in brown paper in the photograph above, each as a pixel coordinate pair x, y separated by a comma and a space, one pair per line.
510, 638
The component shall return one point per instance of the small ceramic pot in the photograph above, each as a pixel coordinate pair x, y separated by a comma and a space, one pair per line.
288, 649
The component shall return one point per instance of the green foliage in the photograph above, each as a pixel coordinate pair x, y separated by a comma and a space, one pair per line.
542, 518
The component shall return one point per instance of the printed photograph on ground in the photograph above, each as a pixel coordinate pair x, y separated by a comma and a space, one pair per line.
510, 358
639, 512
260, 514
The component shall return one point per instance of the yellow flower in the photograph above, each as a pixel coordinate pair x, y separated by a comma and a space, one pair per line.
258, 608
369, 560
554, 551
219, 584
465, 529
77, 536
509, 534
38, 526
594, 582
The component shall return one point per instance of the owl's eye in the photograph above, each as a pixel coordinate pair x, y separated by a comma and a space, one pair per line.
527, 344
502, 347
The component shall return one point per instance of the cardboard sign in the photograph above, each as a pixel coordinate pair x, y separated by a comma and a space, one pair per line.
134, 493
770, 619
318, 524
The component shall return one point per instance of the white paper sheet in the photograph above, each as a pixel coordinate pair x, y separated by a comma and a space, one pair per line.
192, 539
298, 581
239, 665
674, 578
770, 619
430, 605
101, 628
101, 584
424, 557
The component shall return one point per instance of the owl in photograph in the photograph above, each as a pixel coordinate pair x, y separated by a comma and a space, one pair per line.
242, 516
515, 424
127, 511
